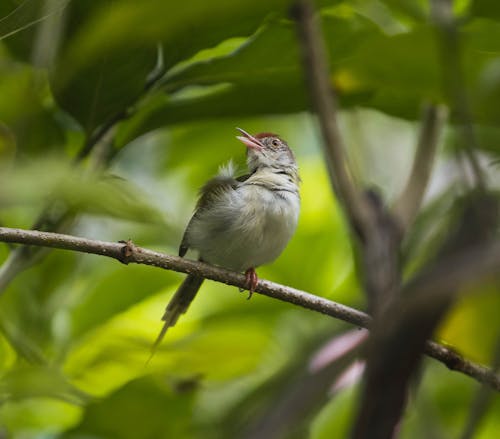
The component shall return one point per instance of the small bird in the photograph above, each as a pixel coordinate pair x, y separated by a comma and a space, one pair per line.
242, 222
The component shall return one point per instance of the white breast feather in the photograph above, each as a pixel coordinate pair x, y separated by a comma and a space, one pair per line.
247, 226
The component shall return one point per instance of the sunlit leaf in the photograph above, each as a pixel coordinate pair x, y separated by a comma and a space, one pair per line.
113, 293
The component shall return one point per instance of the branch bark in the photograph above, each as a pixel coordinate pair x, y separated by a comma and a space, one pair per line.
127, 252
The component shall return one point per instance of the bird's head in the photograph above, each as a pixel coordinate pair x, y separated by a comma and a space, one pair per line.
267, 150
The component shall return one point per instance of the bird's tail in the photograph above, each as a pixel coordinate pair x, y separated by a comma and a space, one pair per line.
178, 305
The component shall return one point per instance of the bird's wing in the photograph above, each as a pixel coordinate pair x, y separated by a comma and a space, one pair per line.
243, 178
208, 194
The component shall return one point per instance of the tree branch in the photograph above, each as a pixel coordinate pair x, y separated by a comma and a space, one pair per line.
365, 211
409, 201
324, 100
399, 334
127, 252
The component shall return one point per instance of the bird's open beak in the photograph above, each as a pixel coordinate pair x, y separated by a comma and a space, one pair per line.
249, 140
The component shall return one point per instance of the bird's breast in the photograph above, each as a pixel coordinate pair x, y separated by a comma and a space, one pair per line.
249, 226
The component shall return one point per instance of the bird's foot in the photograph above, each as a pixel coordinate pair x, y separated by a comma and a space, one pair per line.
251, 280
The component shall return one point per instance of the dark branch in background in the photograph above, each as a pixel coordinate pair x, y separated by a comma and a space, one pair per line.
324, 101
453, 79
398, 337
485, 262
379, 231
409, 201
400, 327
379, 257
365, 212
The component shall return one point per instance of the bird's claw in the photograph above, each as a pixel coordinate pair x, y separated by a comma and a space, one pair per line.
251, 281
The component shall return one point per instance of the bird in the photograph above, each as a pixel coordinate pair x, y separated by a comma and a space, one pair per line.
241, 223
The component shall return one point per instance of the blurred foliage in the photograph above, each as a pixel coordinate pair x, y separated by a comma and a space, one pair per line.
176, 78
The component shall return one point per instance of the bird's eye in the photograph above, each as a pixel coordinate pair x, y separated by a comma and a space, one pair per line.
275, 142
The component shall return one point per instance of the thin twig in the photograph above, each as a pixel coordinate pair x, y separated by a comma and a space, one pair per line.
129, 253
324, 101
410, 199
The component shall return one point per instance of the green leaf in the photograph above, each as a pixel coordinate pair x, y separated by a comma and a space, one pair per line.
31, 303
402, 68
18, 20
272, 54
104, 66
56, 180
264, 76
144, 408
334, 420
415, 9
37, 381
25, 108
7, 145
117, 290
95, 83
486, 9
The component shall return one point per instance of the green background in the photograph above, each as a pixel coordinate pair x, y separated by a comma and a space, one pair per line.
76, 329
